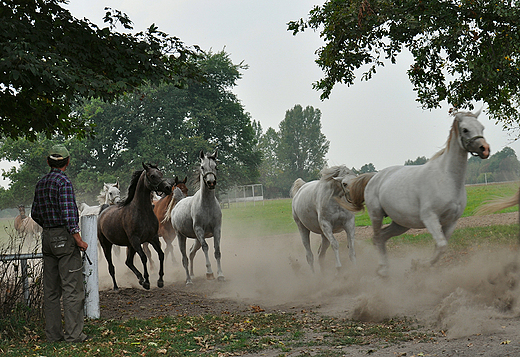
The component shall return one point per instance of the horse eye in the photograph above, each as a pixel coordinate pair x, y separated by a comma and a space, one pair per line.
465, 131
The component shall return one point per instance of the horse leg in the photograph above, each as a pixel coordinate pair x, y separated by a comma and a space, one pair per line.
327, 235
193, 250
156, 244
107, 250
440, 234
143, 281
199, 232
381, 236
148, 253
169, 247
216, 243
350, 229
325, 243
182, 245
306, 240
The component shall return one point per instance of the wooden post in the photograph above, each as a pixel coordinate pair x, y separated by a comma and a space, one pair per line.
90, 271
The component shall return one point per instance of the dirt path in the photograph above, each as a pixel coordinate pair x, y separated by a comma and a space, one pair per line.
468, 303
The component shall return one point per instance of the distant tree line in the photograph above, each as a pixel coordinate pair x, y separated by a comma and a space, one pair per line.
499, 167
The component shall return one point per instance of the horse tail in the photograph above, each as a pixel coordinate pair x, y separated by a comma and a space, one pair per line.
498, 204
296, 186
356, 193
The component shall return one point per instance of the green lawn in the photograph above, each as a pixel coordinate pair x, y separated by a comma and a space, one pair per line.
274, 216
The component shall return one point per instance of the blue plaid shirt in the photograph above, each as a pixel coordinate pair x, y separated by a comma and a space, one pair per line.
54, 202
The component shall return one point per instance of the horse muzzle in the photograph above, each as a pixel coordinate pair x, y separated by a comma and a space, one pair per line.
211, 181
483, 151
165, 186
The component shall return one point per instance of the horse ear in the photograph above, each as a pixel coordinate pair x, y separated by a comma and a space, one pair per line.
201, 154
185, 179
478, 113
145, 166
117, 184
176, 180
215, 154
105, 186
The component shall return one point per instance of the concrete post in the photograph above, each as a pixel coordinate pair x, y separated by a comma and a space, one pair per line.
90, 271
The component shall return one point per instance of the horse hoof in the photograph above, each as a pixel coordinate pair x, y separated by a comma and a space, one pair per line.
189, 283
160, 283
210, 276
221, 278
146, 285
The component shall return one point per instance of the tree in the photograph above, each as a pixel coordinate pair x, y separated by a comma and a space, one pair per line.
164, 125
463, 51
421, 160
302, 147
270, 170
367, 168
50, 59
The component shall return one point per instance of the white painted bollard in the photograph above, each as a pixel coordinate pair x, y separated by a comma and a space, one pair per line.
89, 235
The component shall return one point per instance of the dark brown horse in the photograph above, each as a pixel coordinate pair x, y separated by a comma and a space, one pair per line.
132, 222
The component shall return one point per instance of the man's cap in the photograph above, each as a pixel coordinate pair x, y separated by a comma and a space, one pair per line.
58, 152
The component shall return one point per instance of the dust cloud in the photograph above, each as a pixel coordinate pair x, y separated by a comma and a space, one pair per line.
463, 295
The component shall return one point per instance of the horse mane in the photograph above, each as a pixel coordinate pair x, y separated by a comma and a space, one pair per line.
131, 188
454, 132
328, 173
177, 195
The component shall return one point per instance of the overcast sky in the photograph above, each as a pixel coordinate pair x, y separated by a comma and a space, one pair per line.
376, 122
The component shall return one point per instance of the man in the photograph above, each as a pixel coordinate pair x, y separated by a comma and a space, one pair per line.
54, 208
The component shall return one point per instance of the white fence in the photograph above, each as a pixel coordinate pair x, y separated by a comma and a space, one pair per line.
243, 194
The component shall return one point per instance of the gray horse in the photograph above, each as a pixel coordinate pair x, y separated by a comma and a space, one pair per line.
199, 217
429, 196
315, 209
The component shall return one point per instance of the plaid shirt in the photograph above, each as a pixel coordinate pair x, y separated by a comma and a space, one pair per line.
54, 202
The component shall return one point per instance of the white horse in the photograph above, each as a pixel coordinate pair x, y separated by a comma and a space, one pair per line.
199, 216
315, 209
429, 196
110, 195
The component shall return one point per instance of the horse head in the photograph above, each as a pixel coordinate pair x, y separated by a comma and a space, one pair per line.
153, 177
113, 194
470, 132
182, 185
343, 180
166, 186
21, 210
208, 169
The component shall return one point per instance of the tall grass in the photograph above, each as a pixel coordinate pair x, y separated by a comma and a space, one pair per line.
18, 315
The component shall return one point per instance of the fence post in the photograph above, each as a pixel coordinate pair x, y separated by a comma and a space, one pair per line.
89, 235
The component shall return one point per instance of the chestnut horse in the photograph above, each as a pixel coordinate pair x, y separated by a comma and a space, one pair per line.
161, 208
27, 228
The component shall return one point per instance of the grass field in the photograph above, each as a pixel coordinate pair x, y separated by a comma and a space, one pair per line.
275, 216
